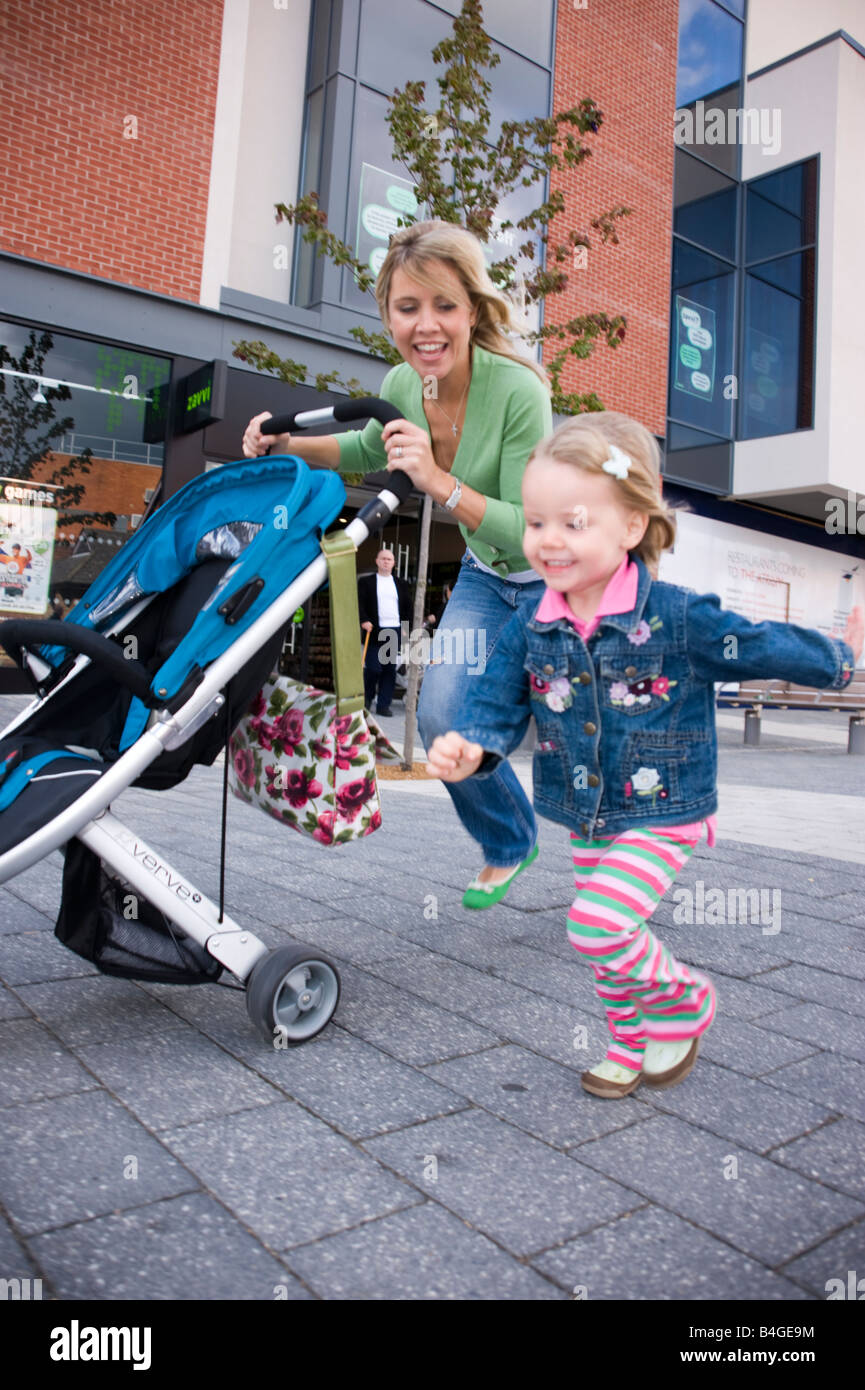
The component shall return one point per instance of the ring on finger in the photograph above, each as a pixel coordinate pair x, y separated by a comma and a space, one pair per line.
398, 451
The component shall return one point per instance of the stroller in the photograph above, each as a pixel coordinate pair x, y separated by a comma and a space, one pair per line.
147, 677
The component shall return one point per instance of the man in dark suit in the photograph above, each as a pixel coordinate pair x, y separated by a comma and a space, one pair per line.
384, 602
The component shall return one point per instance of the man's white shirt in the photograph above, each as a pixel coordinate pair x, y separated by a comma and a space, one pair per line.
388, 601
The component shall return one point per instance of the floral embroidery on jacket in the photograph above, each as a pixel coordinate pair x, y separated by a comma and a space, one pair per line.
556, 694
643, 631
646, 781
640, 692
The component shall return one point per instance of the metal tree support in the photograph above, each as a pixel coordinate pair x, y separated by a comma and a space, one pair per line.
752, 727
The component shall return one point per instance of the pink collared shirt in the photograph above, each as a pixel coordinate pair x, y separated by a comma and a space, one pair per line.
619, 596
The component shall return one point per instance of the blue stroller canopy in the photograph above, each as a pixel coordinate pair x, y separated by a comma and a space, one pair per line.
268, 513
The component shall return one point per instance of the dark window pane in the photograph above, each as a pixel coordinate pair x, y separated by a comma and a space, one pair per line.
701, 341
390, 54
379, 194
710, 51
704, 206
737, 7
685, 437
781, 211
712, 129
318, 42
777, 376
785, 273
304, 253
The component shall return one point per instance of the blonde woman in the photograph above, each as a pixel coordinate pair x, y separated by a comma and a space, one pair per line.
473, 410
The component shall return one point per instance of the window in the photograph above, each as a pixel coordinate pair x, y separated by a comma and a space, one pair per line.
73, 453
778, 340
709, 81
358, 55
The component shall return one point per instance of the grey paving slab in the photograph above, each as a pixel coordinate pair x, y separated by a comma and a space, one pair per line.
501, 1181
746, 999
833, 1155
823, 986
827, 1270
821, 947
176, 1078
766, 1211
11, 1006
356, 1087
569, 1035
64, 1160
535, 1095
719, 950
422, 1254
750, 1049
849, 907
285, 1174
740, 1109
831, 1030
96, 1009
652, 1254
180, 1249
404, 1025
17, 916
827, 1079
15, 1262
350, 938
40, 886
32, 957
563, 976
35, 1065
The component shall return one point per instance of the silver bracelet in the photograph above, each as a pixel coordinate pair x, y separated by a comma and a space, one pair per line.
453, 500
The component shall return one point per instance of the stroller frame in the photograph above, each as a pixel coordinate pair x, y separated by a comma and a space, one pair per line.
91, 821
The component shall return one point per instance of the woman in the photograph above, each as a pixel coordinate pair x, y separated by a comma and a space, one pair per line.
473, 411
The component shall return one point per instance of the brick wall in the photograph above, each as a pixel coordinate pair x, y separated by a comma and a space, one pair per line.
78, 191
622, 53
111, 485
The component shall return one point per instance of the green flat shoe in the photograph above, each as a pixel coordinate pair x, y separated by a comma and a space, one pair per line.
487, 894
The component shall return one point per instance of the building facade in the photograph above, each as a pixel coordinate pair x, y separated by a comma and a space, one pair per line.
145, 148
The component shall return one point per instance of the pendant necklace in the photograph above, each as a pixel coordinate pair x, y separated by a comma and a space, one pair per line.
453, 423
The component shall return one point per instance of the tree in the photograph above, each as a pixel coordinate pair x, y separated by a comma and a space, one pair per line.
461, 175
29, 430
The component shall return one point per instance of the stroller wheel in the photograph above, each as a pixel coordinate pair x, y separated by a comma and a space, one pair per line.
291, 995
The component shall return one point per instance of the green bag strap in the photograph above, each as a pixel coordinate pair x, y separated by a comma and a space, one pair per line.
340, 552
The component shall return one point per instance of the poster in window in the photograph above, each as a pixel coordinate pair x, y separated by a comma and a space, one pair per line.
695, 348
764, 402
385, 200
26, 554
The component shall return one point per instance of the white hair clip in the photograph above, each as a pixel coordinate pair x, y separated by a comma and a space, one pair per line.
618, 463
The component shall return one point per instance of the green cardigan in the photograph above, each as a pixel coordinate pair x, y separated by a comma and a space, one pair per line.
507, 412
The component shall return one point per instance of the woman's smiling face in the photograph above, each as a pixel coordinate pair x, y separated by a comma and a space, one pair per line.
431, 327
578, 529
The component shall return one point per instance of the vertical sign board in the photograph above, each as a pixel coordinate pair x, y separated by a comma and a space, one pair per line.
384, 199
695, 349
27, 529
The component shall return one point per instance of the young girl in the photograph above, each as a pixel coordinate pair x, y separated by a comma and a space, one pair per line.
618, 670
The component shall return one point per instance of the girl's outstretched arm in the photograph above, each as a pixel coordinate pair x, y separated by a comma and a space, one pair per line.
451, 757
855, 633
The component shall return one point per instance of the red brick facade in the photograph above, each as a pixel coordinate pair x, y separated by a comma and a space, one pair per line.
622, 53
106, 127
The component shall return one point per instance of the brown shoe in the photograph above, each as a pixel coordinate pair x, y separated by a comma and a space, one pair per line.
660, 1079
609, 1090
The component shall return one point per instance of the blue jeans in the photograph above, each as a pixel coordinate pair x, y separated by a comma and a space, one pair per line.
495, 811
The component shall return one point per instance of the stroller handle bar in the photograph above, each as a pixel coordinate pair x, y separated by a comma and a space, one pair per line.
18, 635
357, 408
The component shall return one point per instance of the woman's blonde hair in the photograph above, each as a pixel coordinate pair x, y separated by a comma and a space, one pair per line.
415, 250
584, 441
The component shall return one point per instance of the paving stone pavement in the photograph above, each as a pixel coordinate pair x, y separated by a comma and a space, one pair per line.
434, 1141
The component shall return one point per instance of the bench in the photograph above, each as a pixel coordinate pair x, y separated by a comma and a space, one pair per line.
755, 696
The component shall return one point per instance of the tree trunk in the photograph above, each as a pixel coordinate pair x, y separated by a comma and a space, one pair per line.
414, 665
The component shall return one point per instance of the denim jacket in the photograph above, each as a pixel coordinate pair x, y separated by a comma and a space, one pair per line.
626, 721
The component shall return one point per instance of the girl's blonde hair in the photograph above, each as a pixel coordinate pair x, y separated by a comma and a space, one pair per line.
416, 249
584, 441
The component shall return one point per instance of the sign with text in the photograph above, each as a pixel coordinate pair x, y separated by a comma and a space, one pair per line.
695, 349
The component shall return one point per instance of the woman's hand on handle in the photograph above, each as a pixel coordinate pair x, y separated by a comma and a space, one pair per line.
451, 757
255, 443
409, 448
854, 636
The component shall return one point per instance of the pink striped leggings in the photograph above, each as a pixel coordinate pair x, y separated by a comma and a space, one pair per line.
645, 991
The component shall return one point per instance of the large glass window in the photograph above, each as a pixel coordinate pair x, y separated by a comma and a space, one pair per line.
701, 341
778, 341
76, 472
348, 149
709, 82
